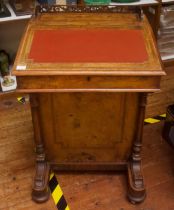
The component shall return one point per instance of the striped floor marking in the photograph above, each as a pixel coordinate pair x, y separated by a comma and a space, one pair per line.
155, 119
57, 193
21, 100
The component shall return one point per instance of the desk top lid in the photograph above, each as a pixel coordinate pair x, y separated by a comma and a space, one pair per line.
88, 44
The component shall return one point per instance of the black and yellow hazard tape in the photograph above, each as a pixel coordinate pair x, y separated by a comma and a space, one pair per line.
57, 193
21, 100
155, 119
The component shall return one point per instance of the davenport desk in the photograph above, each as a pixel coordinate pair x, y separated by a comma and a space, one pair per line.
88, 75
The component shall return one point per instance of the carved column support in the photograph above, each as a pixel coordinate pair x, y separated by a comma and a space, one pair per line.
40, 190
137, 191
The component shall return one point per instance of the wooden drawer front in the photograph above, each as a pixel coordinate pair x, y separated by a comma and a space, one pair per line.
89, 83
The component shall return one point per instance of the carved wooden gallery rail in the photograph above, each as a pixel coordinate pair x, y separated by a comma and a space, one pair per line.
88, 9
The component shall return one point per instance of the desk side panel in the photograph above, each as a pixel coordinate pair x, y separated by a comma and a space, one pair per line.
88, 127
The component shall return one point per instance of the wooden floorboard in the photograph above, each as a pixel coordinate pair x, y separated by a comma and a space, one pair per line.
82, 191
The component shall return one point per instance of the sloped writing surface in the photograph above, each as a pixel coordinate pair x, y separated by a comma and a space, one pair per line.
88, 45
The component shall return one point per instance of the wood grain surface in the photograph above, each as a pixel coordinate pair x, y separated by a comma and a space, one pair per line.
90, 127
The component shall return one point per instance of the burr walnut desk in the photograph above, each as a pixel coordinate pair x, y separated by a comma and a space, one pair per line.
88, 75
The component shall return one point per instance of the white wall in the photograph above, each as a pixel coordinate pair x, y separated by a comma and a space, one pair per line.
10, 35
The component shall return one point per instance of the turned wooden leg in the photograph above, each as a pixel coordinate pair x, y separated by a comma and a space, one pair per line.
136, 188
40, 190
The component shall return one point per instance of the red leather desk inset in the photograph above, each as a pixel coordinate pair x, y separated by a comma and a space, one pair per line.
90, 45
88, 82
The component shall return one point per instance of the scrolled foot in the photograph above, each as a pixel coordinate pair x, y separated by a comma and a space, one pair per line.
136, 188
40, 191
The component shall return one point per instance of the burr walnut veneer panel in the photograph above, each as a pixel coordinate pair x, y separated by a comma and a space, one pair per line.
88, 126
